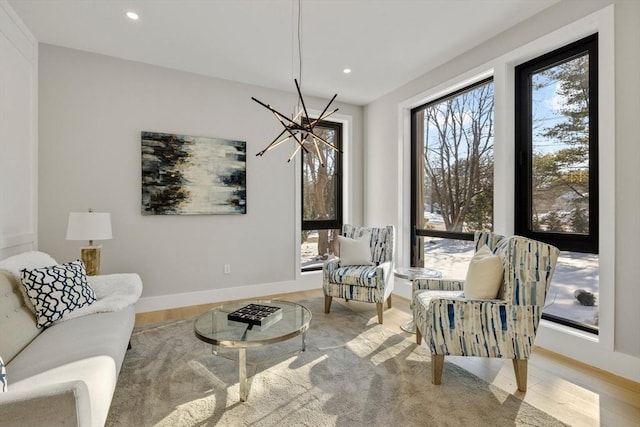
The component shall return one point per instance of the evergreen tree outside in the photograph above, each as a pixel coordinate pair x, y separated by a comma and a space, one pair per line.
561, 146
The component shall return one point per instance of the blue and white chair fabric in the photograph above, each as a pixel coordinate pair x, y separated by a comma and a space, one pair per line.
504, 327
367, 283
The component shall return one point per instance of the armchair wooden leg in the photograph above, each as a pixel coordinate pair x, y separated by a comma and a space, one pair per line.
389, 301
418, 336
379, 307
327, 303
520, 369
437, 363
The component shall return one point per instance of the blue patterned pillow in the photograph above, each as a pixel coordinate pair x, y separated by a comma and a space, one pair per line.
57, 290
3, 378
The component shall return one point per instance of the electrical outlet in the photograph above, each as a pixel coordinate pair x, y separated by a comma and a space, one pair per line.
227, 269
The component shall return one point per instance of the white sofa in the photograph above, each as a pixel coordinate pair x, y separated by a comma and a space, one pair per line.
66, 373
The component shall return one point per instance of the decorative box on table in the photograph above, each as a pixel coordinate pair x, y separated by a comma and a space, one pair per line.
256, 314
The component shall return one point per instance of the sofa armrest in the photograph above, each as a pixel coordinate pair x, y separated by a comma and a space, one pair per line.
57, 404
436, 284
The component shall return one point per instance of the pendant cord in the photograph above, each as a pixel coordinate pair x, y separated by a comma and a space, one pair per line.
299, 41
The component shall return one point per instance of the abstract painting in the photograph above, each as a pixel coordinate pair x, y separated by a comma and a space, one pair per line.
192, 175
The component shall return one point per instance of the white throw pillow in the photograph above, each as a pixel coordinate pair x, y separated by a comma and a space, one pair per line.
354, 251
484, 275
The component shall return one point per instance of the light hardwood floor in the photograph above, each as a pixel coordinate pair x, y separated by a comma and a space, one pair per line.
576, 394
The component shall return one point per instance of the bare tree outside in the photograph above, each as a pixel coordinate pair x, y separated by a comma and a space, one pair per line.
458, 160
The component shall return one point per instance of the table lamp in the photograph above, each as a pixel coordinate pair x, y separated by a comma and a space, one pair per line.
90, 226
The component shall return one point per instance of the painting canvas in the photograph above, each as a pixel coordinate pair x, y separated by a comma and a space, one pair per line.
192, 175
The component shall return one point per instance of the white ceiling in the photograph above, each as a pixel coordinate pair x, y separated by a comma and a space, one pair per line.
385, 42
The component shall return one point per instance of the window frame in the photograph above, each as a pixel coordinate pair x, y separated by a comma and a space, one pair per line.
523, 206
337, 222
417, 248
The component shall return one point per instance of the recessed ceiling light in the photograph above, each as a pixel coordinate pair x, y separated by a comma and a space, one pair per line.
132, 15
346, 70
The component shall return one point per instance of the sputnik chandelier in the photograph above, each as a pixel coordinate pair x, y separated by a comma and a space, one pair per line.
301, 128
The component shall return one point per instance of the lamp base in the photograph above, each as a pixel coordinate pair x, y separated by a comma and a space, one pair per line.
91, 259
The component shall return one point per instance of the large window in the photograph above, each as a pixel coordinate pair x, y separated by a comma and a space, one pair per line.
557, 172
452, 175
321, 197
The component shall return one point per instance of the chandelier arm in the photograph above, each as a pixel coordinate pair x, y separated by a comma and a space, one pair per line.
300, 145
324, 141
315, 121
274, 143
304, 107
299, 141
294, 153
325, 110
276, 112
315, 143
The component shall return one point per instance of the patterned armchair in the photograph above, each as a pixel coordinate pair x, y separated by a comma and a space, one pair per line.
367, 283
504, 327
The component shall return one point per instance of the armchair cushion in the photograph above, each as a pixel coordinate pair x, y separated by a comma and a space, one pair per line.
357, 275
422, 283
354, 251
484, 275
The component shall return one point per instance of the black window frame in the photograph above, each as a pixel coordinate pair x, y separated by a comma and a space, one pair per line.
337, 222
523, 147
418, 233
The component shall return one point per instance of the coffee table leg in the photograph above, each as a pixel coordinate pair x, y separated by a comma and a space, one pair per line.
242, 363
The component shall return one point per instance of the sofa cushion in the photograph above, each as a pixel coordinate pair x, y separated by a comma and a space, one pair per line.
18, 324
76, 339
57, 290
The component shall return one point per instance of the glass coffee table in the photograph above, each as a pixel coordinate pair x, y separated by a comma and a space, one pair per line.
215, 328
410, 273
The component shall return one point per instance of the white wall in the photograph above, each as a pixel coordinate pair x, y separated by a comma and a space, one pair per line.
617, 349
18, 134
92, 109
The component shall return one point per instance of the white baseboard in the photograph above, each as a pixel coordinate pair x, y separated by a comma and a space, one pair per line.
586, 348
187, 299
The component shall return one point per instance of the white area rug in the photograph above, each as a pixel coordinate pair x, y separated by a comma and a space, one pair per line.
350, 375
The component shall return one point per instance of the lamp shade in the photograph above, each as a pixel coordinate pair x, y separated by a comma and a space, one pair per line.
89, 226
